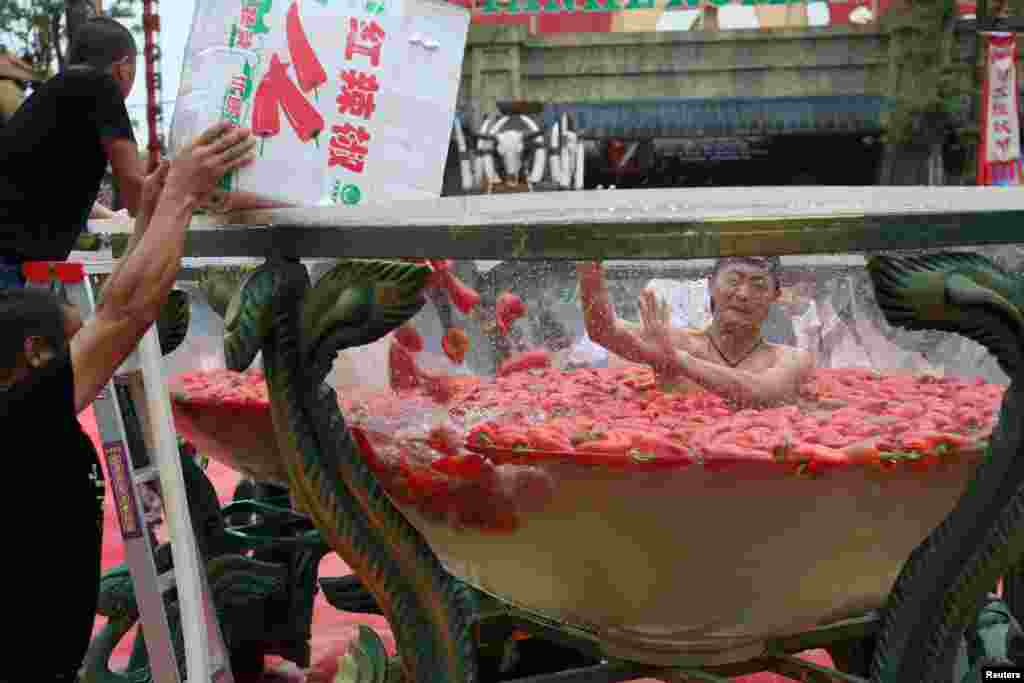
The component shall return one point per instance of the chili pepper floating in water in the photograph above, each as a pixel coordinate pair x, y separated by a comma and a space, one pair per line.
308, 68
266, 117
508, 308
528, 360
455, 344
305, 120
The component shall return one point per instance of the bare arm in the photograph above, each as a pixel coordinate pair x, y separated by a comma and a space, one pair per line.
139, 285
129, 170
605, 328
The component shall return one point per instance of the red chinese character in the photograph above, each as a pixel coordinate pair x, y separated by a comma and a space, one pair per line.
234, 106
248, 16
238, 84
1000, 93
1003, 144
244, 39
1001, 127
1000, 109
348, 147
1003, 75
364, 38
358, 94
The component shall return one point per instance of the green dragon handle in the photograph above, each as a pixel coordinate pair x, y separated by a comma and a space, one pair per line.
300, 327
944, 582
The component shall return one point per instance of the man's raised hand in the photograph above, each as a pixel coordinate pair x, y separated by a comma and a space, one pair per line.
222, 148
656, 318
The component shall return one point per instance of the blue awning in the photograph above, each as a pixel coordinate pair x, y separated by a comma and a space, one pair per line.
693, 117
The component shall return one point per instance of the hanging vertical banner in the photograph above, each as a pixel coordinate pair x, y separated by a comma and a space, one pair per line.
999, 160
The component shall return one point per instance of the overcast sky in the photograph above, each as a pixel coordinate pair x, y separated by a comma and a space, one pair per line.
175, 21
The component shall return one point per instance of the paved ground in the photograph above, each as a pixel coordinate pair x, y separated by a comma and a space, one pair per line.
332, 630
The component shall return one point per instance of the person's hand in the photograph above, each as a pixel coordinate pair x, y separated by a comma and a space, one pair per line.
656, 318
221, 149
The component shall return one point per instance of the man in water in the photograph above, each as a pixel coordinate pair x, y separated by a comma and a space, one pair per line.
729, 357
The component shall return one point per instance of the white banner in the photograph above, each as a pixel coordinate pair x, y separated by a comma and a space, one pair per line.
1002, 116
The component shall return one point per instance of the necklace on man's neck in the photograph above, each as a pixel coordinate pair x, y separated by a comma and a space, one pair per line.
731, 364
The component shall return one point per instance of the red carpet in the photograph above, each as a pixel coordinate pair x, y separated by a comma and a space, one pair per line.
332, 630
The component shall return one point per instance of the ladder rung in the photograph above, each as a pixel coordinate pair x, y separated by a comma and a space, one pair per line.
146, 474
166, 581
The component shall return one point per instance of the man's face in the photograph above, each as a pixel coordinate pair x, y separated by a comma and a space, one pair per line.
743, 293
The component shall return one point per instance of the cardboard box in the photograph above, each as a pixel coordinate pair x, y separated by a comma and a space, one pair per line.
353, 100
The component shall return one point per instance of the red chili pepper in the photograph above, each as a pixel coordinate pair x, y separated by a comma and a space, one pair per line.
548, 438
821, 457
455, 344
303, 117
402, 368
466, 466
611, 449
439, 387
409, 337
482, 437
463, 296
527, 360
508, 308
266, 117
866, 453
308, 68
444, 440
510, 438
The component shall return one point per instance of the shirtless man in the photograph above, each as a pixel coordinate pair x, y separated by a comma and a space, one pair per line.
729, 357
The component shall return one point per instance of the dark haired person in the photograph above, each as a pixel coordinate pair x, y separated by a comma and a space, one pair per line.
730, 357
46, 380
55, 149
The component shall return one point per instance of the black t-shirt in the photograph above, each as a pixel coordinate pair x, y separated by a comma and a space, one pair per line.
52, 162
39, 414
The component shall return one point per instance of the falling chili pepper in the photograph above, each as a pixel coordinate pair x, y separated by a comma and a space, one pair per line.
409, 337
305, 120
266, 117
508, 308
455, 344
308, 68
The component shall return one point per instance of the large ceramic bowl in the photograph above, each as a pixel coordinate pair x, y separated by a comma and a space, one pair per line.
675, 567
692, 566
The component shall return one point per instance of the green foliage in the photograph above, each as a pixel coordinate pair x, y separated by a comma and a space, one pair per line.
927, 83
27, 28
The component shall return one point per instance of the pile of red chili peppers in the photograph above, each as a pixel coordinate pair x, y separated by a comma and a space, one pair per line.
506, 428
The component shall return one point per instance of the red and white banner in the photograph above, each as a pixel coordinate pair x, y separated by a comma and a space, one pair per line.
999, 160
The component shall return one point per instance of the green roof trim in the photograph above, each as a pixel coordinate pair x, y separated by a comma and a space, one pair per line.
698, 117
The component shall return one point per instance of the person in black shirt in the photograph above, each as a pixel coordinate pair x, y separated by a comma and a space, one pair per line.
47, 379
55, 149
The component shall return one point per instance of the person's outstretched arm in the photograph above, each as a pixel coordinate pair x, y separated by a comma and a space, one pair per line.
607, 329
139, 285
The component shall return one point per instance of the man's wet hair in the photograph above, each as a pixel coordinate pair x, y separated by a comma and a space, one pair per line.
100, 42
772, 264
28, 313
